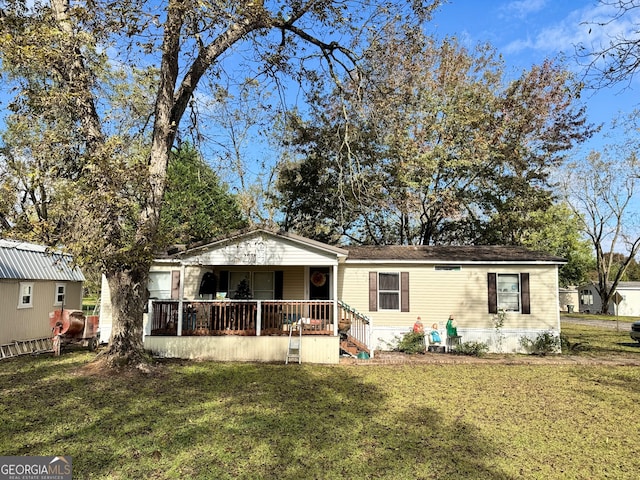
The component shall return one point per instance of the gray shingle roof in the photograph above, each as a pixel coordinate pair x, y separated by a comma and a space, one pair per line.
449, 254
26, 261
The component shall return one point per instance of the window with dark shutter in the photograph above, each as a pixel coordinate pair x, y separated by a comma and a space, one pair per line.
508, 292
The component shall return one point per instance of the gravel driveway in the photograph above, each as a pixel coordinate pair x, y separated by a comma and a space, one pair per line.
622, 325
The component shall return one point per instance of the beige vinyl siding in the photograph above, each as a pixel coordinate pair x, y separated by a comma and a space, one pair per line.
434, 295
29, 323
293, 283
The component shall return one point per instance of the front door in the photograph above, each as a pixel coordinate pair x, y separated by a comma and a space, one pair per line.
320, 289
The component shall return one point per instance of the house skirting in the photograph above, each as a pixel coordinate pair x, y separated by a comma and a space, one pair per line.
230, 348
507, 341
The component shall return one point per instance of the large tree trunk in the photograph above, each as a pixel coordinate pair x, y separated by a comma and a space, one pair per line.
129, 296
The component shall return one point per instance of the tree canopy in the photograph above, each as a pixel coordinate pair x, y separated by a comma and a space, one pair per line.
197, 206
433, 145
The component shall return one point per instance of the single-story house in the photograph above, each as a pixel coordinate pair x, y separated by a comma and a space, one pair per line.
34, 280
237, 298
569, 299
628, 300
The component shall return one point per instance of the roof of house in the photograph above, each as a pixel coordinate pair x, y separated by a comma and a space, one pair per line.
448, 254
389, 253
27, 261
183, 250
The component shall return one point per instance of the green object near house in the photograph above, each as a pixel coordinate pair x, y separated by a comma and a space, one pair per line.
452, 329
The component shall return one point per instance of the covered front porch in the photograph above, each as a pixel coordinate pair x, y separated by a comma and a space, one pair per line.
225, 329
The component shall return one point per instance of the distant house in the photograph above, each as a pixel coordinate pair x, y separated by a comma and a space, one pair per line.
33, 282
341, 296
569, 299
628, 305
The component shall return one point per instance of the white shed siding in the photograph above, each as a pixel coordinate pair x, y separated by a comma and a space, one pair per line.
29, 323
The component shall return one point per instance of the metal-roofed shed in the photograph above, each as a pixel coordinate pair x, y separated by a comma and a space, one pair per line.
27, 261
34, 280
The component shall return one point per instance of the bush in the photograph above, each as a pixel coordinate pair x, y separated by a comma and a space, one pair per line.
544, 343
412, 342
572, 347
474, 349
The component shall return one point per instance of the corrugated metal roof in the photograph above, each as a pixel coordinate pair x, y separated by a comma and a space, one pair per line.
26, 261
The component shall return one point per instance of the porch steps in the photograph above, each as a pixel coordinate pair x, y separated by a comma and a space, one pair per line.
26, 347
295, 344
352, 346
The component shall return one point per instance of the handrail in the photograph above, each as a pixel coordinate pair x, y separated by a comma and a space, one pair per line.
354, 324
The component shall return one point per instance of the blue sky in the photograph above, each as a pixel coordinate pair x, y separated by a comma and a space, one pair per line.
526, 32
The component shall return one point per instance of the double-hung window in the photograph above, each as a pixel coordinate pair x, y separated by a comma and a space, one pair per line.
59, 294
586, 297
509, 292
389, 291
25, 299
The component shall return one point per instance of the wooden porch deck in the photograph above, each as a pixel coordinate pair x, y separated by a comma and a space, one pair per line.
258, 318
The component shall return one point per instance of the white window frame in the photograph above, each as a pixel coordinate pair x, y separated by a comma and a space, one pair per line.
397, 292
159, 279
263, 293
57, 301
21, 296
586, 297
235, 278
503, 292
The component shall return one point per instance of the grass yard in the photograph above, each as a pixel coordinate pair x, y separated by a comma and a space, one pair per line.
417, 421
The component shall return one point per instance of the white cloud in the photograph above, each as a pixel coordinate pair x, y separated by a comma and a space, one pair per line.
591, 27
522, 8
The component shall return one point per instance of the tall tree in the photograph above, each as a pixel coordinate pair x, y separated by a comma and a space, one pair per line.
601, 189
56, 53
197, 206
434, 145
557, 231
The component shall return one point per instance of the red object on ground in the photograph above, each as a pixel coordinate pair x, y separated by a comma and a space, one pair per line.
67, 322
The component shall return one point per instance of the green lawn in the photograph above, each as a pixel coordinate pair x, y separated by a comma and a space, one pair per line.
225, 420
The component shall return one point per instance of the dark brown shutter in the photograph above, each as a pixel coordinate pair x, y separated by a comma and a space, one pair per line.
524, 293
175, 284
493, 293
223, 282
279, 285
404, 291
373, 291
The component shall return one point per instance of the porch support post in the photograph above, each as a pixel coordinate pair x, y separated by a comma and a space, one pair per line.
335, 299
180, 300
258, 318
149, 325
